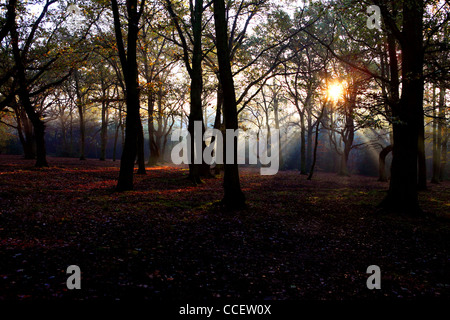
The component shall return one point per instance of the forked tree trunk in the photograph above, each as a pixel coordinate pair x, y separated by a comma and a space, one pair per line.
129, 68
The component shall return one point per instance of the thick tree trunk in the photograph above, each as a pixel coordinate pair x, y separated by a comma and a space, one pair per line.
233, 196
302, 143
116, 134
343, 167
382, 163
202, 169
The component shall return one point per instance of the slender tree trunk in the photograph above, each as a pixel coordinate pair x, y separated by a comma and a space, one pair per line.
80, 107
422, 166
38, 124
104, 131
233, 196
140, 148
154, 151
277, 126
442, 133
316, 142
444, 154
309, 143
436, 145
302, 143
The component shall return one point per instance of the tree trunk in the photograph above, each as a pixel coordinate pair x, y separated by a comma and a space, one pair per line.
436, 145
116, 135
202, 169
218, 120
154, 151
80, 107
129, 69
233, 196
104, 131
25, 131
382, 163
343, 168
140, 147
402, 195
316, 142
421, 157
302, 143
442, 133
277, 126
309, 146
24, 97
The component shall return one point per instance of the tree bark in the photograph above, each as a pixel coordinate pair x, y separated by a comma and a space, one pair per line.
154, 151
316, 142
277, 126
129, 68
218, 120
233, 196
302, 143
140, 148
104, 128
309, 145
382, 163
421, 156
80, 107
442, 133
402, 195
24, 97
436, 145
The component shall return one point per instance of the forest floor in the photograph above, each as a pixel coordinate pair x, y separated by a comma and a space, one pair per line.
168, 239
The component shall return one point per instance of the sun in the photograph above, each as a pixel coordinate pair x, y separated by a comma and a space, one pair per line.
335, 91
